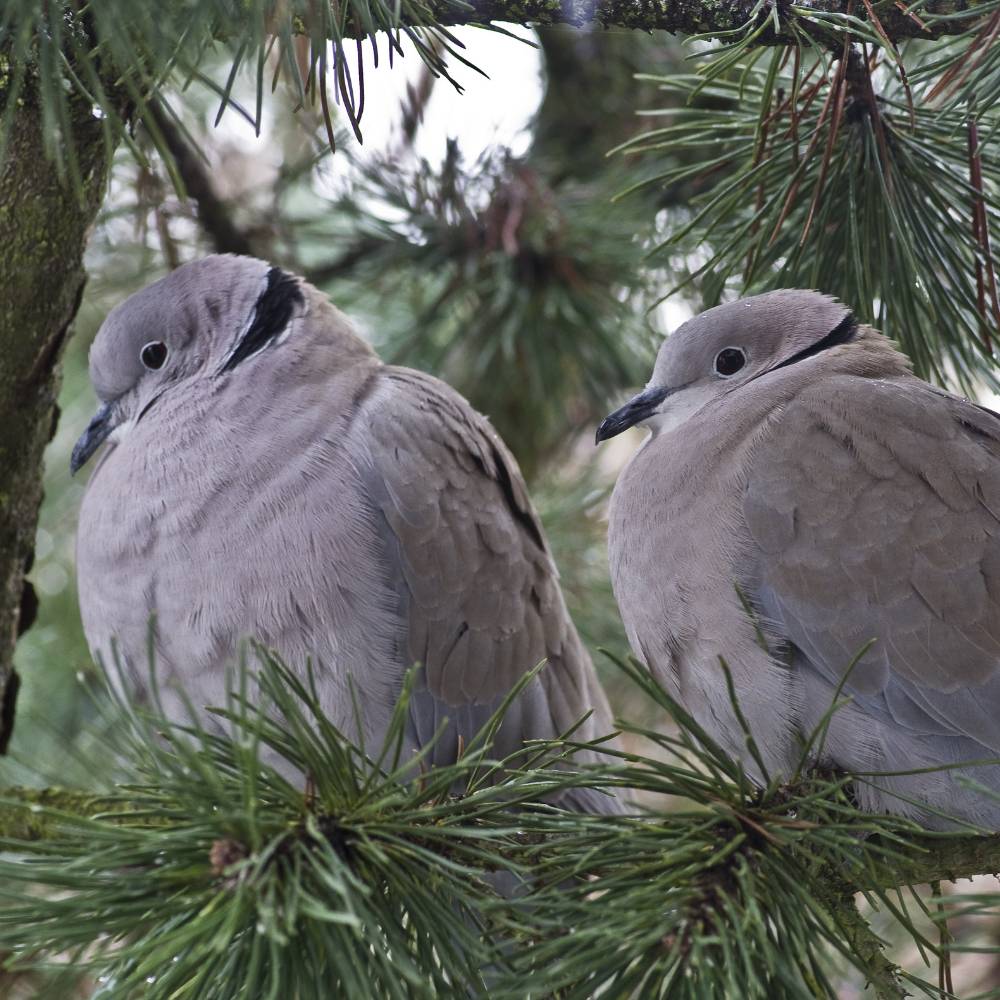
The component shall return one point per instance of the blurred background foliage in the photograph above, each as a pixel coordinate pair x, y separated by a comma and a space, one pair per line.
490, 241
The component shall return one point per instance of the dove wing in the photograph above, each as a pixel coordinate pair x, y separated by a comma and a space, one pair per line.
874, 513
479, 592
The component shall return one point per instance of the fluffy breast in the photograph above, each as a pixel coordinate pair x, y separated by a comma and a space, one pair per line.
224, 534
678, 548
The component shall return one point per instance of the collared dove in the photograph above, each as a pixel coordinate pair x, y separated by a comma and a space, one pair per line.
796, 468
268, 476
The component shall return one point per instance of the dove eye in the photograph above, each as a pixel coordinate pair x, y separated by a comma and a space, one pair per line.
729, 361
154, 354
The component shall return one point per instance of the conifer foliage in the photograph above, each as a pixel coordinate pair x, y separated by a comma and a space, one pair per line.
849, 147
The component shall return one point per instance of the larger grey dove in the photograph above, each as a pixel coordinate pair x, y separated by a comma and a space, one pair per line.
796, 464
268, 476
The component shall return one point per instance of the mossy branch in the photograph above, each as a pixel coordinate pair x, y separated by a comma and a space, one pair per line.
44, 223
937, 858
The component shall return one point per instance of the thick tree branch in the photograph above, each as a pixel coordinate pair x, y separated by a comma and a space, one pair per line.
710, 17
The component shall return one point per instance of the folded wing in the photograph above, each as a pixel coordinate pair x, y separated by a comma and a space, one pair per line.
874, 512
478, 590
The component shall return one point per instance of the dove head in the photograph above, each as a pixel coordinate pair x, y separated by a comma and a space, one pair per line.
729, 346
220, 319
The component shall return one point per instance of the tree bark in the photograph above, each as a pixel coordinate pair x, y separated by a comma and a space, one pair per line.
44, 221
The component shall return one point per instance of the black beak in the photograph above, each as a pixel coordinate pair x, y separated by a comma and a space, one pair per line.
633, 412
92, 438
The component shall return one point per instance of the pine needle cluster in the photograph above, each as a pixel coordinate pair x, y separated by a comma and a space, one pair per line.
868, 172
268, 856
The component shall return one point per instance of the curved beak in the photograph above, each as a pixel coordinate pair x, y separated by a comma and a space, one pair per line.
636, 410
100, 426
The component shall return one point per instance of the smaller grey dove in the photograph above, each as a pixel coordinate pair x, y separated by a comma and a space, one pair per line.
265, 475
795, 466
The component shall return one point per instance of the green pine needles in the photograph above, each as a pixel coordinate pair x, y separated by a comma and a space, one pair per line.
217, 871
850, 150
839, 171
211, 875
122, 58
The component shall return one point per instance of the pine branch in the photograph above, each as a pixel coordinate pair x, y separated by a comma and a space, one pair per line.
364, 882
828, 174
491, 252
932, 858
29, 814
176, 881
712, 18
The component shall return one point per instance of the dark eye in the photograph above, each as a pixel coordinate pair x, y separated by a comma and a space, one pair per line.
154, 354
729, 361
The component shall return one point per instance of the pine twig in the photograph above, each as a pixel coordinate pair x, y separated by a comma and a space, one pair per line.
882, 974
213, 213
29, 814
981, 234
934, 858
